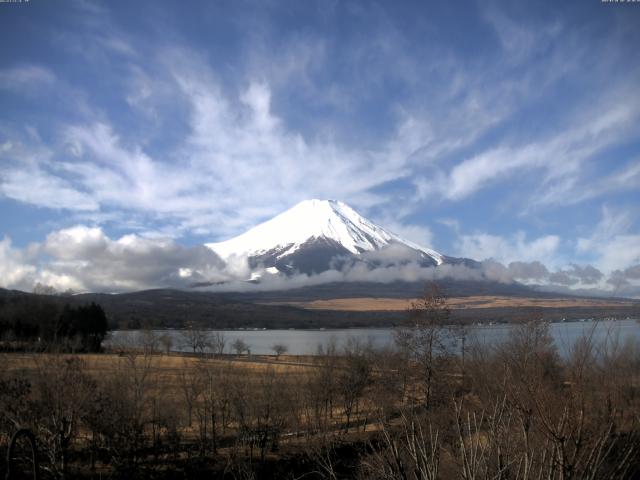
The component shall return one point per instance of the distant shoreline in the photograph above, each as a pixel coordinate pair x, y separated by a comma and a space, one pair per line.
329, 329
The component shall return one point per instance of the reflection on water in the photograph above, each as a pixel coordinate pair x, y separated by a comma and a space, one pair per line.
305, 342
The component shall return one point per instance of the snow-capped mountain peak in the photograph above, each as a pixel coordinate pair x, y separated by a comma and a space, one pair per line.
328, 223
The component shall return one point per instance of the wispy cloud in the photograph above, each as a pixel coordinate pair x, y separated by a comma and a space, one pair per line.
516, 247
26, 78
238, 155
613, 244
559, 158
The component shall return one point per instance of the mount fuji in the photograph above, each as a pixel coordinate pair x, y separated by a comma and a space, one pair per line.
314, 235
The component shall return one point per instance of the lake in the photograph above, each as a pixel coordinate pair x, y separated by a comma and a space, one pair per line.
305, 342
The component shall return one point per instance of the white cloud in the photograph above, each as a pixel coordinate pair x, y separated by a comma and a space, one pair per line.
559, 157
37, 187
258, 98
620, 252
26, 78
84, 258
208, 184
507, 249
612, 245
14, 271
76, 243
574, 189
239, 163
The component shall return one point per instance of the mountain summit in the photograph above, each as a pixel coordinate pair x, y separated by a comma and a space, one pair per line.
308, 236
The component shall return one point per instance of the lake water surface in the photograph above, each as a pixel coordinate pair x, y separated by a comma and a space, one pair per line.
305, 342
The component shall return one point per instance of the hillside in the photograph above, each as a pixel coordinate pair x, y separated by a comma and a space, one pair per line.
323, 308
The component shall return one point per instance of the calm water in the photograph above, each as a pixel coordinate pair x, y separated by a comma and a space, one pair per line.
305, 342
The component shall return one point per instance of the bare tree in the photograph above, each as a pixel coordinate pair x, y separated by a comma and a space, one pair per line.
196, 339
424, 338
239, 346
217, 343
166, 340
353, 378
323, 384
213, 404
191, 387
410, 453
279, 349
149, 340
64, 395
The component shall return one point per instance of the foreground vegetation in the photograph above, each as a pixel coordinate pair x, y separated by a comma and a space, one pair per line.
425, 409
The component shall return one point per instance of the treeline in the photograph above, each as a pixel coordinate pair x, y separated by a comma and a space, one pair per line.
39, 322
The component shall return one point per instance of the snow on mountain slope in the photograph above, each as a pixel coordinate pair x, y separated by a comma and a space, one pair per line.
314, 220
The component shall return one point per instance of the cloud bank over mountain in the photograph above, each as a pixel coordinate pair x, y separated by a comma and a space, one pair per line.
86, 259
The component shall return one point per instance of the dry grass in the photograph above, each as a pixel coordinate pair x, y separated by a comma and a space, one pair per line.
165, 370
365, 304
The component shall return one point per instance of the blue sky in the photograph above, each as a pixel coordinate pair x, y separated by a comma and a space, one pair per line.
503, 130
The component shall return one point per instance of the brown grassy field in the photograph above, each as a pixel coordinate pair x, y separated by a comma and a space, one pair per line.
165, 368
165, 377
364, 304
